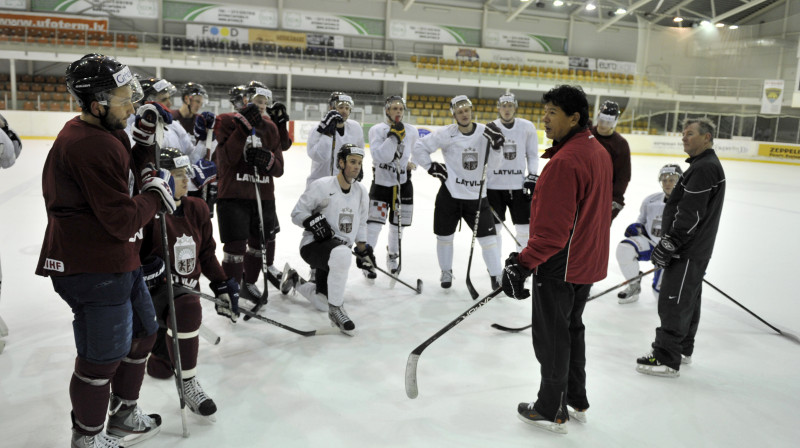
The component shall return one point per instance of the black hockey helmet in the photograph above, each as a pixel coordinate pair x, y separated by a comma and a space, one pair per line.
153, 87
334, 99
387, 103
94, 76
255, 88
668, 170
172, 159
348, 149
193, 88
610, 108
236, 95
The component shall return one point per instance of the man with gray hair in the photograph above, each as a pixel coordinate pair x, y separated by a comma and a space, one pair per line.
689, 229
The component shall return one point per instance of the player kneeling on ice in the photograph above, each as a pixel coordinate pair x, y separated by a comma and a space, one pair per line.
333, 212
192, 252
643, 235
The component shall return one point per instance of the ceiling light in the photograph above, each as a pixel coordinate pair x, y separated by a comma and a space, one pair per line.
705, 23
590, 7
620, 11
733, 27
558, 3
678, 19
720, 25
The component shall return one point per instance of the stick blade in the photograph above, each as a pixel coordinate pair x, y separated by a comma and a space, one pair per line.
419, 286
510, 329
791, 336
412, 391
472, 291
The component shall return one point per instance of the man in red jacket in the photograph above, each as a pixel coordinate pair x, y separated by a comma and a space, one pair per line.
567, 251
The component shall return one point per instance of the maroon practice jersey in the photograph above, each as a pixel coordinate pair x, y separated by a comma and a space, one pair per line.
191, 243
186, 122
94, 212
236, 177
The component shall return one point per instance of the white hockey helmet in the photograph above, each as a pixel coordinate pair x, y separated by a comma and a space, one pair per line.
507, 98
458, 102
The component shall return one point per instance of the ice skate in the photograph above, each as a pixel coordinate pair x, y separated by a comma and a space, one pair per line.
131, 425
686, 360
100, 440
578, 414
197, 401
274, 276
528, 414
249, 291
370, 275
630, 294
392, 263
649, 365
289, 280
496, 283
339, 318
447, 278
309, 291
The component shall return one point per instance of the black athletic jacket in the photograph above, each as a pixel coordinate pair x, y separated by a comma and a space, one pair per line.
691, 215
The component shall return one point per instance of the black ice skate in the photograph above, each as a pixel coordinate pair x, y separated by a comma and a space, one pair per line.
289, 280
274, 276
339, 318
447, 278
631, 293
649, 365
197, 401
130, 424
529, 415
249, 291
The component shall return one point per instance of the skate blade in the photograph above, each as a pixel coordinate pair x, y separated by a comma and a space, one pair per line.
658, 371
578, 415
628, 300
558, 428
350, 333
134, 439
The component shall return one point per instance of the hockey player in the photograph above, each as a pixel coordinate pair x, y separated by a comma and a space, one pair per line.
90, 250
462, 145
617, 146
333, 212
643, 235
191, 252
193, 97
248, 153
334, 131
507, 186
688, 232
10, 148
391, 144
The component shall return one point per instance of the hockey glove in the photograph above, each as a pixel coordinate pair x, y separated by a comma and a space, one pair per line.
227, 292
530, 184
319, 227
398, 131
365, 260
202, 123
328, 124
202, 172
438, 170
147, 118
495, 135
12, 136
161, 183
636, 229
514, 276
256, 155
277, 113
251, 114
616, 207
153, 272
663, 252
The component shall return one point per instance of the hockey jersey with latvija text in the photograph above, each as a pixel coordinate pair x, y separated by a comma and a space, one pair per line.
191, 243
346, 212
518, 157
383, 149
464, 156
323, 150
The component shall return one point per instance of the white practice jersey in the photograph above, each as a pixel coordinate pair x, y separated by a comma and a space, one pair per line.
650, 215
323, 156
383, 149
175, 137
7, 153
345, 212
520, 151
464, 156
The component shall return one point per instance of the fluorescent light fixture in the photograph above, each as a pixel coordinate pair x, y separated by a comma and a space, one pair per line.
590, 6
620, 11
558, 3
720, 25
733, 27
705, 23
678, 19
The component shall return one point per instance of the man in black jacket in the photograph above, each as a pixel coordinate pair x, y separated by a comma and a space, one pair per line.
690, 224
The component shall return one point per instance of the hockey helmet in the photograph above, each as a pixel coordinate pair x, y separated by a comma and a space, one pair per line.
256, 88
94, 76
349, 149
507, 98
458, 102
193, 88
236, 96
669, 170
387, 103
153, 87
172, 159
609, 113
338, 98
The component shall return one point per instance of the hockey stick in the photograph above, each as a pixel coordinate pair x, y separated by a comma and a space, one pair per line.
518, 329
412, 389
173, 321
209, 335
470, 287
248, 313
786, 334
418, 289
497, 217
398, 196
264, 271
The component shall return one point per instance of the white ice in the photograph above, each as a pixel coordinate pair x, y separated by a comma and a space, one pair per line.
275, 388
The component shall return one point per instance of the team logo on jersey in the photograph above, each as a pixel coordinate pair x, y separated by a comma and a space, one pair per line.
469, 159
510, 149
185, 251
346, 216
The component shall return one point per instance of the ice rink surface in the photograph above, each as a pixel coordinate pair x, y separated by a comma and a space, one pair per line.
278, 389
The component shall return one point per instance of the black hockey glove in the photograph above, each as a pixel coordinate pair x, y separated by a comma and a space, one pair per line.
365, 260
155, 276
530, 184
252, 114
664, 252
319, 227
202, 123
636, 229
495, 135
616, 207
514, 276
277, 113
328, 124
256, 155
227, 292
398, 131
438, 170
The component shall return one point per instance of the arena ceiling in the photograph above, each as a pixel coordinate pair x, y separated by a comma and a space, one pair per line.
609, 12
